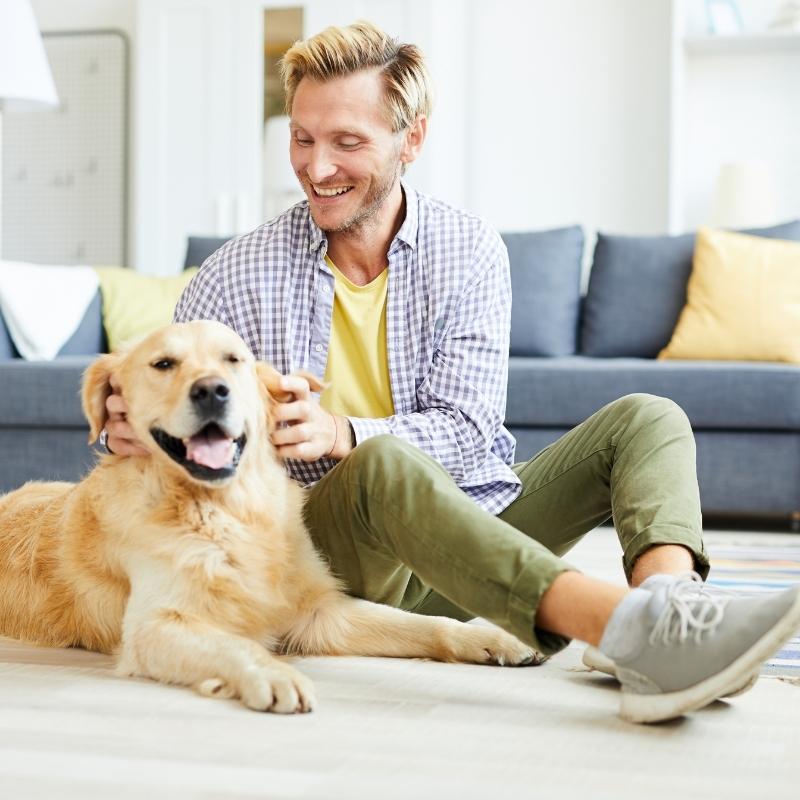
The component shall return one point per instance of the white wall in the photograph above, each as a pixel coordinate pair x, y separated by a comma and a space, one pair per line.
549, 112
74, 15
569, 113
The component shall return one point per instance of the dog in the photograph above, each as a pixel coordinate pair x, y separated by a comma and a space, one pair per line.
192, 565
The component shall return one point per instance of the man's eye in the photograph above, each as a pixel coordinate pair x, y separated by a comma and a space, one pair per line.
303, 142
349, 145
163, 364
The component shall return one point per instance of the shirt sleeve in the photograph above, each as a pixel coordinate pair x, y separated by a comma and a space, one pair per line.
203, 298
461, 402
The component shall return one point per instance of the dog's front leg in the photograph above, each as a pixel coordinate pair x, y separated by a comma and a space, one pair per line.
348, 626
173, 646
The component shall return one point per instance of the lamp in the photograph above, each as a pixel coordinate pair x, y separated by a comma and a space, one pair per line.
281, 188
745, 196
26, 83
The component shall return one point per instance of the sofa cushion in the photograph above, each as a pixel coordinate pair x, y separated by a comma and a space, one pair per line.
43, 392
716, 395
199, 248
545, 285
7, 349
90, 337
135, 304
637, 289
743, 300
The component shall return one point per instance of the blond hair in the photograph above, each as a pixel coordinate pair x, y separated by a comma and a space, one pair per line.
336, 52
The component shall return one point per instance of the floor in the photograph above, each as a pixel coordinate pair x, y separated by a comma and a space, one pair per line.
388, 728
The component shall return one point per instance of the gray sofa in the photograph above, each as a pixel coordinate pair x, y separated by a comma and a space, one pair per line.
570, 355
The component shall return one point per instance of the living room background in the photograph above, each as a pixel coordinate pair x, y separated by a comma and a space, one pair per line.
615, 114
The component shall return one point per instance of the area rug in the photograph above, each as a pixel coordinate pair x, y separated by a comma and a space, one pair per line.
755, 568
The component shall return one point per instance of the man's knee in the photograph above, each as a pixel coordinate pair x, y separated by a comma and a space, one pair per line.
651, 409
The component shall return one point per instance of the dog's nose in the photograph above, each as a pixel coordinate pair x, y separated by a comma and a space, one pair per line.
210, 395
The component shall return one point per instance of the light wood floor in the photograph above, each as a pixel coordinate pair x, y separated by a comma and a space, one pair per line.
387, 728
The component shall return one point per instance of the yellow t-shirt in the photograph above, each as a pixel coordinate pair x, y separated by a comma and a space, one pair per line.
358, 367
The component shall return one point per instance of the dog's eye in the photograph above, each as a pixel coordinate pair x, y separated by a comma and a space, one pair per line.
232, 359
163, 364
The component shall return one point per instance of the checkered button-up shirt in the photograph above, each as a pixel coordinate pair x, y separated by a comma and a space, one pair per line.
447, 330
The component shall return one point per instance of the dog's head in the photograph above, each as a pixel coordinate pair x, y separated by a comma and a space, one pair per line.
195, 395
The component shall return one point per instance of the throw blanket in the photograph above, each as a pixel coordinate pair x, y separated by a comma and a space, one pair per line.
43, 305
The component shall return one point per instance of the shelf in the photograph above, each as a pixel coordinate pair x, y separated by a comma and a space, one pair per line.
744, 43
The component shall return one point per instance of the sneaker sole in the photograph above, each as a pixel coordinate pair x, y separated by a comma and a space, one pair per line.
595, 660
660, 707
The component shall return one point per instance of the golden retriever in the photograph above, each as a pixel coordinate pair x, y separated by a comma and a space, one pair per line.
193, 564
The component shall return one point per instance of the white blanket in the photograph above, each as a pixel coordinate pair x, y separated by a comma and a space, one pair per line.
44, 305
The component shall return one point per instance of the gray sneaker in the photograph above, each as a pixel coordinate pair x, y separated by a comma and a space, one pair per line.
687, 647
594, 658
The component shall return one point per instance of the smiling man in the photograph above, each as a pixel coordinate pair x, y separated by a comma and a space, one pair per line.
403, 304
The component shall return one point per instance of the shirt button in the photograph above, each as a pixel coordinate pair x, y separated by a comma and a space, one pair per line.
318, 348
325, 289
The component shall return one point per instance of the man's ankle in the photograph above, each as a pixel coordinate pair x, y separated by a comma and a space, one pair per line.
662, 559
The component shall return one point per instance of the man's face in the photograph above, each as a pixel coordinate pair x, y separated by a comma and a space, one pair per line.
343, 149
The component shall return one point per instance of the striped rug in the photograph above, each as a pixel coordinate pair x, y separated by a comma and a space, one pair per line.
754, 568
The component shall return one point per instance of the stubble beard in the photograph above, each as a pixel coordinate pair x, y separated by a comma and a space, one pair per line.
370, 206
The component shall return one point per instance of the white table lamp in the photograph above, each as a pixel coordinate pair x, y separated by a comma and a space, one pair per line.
745, 196
26, 83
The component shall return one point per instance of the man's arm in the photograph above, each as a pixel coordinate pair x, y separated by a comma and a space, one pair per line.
461, 401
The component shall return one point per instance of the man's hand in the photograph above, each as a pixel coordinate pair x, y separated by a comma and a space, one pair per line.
122, 440
308, 432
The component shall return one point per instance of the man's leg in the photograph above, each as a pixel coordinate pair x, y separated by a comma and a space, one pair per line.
633, 461
389, 509
393, 526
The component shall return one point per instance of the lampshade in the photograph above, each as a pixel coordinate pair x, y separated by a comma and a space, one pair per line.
26, 82
745, 196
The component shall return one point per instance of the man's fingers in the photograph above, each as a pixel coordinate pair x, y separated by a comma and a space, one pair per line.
125, 447
120, 429
304, 451
116, 405
290, 435
296, 385
298, 411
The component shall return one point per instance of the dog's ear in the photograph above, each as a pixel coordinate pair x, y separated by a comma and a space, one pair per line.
95, 390
271, 380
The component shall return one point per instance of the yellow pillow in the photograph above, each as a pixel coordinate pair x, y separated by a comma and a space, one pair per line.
135, 304
743, 300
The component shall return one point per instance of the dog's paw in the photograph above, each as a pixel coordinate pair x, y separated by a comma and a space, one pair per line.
479, 645
276, 687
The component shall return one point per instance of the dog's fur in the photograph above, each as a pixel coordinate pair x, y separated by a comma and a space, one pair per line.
200, 581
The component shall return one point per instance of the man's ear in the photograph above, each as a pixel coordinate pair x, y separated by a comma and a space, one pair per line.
413, 139
95, 390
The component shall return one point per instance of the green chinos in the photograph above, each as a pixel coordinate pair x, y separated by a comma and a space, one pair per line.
396, 529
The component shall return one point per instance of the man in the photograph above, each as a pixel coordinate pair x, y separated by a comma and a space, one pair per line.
403, 304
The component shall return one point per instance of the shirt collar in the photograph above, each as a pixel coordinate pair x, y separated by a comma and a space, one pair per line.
406, 234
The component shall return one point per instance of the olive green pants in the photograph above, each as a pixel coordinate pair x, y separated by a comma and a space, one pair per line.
396, 529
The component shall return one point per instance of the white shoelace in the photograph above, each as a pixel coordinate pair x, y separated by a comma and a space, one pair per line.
689, 608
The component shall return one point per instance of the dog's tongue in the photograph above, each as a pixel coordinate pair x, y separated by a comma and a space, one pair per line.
210, 447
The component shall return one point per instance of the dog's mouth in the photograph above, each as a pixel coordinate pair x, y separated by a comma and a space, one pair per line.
210, 455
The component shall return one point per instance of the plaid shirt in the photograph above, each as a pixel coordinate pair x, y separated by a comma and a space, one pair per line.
447, 329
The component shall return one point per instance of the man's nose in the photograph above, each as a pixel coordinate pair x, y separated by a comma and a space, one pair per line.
209, 395
320, 164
